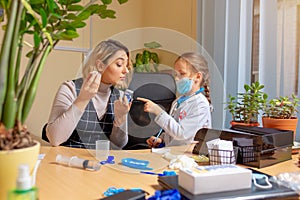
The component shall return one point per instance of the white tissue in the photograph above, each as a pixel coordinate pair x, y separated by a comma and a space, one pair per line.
220, 152
182, 162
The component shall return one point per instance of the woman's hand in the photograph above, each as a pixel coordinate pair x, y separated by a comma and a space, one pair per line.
154, 142
121, 108
88, 89
150, 106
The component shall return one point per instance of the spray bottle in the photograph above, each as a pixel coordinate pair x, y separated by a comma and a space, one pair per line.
24, 189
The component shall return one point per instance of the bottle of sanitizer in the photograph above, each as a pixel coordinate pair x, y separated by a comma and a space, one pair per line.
24, 189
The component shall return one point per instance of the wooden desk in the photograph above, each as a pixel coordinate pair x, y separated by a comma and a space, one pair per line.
56, 181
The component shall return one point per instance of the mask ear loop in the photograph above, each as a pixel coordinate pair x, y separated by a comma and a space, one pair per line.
260, 176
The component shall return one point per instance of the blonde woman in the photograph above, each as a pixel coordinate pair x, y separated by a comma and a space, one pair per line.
90, 108
191, 111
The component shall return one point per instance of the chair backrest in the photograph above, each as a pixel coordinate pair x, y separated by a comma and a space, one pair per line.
44, 136
158, 87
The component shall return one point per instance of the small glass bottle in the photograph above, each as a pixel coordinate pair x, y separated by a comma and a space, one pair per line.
24, 189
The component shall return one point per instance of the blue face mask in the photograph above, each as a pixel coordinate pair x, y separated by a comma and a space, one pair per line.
184, 85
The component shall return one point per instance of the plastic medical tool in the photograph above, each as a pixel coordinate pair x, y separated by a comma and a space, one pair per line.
109, 160
74, 161
129, 94
258, 178
135, 163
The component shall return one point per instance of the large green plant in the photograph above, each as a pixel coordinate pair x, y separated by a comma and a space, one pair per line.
46, 22
245, 107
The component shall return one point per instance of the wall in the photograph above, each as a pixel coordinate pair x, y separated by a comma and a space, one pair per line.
64, 65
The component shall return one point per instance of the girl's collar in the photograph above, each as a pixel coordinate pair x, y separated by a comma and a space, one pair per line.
184, 98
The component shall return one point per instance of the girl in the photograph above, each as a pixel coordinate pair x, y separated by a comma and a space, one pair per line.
191, 111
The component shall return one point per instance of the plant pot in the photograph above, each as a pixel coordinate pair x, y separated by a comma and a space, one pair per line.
282, 124
233, 123
10, 161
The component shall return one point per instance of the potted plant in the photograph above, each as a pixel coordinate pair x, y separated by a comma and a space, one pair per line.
147, 61
46, 22
281, 113
245, 107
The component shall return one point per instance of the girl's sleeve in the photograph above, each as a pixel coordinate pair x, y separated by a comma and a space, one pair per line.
192, 119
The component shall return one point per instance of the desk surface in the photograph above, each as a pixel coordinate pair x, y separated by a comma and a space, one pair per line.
56, 181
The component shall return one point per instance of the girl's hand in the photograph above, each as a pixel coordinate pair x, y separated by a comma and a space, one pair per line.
150, 106
154, 142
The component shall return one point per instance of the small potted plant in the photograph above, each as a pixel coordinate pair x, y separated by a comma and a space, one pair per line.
245, 107
147, 61
281, 113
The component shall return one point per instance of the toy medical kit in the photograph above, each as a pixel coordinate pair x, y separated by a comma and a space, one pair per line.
110, 160
258, 178
135, 163
129, 94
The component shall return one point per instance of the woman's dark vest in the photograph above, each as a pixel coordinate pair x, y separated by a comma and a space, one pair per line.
90, 128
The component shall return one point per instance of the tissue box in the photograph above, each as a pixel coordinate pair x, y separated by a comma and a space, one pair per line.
214, 178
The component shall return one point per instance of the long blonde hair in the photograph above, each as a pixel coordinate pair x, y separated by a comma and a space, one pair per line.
199, 64
103, 51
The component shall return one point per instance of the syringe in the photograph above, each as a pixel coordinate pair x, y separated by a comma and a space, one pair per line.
74, 161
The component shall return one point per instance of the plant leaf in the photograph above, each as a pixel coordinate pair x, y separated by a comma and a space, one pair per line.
84, 15
122, 1
44, 17
68, 35
78, 24
106, 1
75, 8
152, 45
37, 40
107, 14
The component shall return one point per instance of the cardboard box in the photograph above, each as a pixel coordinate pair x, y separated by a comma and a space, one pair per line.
214, 178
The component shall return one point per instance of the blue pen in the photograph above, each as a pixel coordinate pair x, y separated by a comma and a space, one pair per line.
165, 173
160, 131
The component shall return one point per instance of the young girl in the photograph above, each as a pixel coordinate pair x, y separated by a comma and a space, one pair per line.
191, 111
90, 108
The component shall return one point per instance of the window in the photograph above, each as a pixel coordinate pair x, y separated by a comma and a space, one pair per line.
288, 42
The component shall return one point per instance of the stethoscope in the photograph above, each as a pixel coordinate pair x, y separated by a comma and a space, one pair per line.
182, 99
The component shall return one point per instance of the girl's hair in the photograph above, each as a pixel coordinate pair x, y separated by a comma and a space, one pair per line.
103, 51
199, 64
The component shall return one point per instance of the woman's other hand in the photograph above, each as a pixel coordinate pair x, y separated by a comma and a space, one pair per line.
121, 108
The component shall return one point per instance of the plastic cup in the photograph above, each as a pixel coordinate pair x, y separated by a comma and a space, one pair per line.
102, 149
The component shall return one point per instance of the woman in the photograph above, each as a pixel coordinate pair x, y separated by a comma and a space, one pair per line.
90, 108
191, 111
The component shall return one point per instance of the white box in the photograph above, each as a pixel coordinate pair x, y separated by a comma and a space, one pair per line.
214, 178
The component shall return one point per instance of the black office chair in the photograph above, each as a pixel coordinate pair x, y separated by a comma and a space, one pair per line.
44, 136
158, 87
